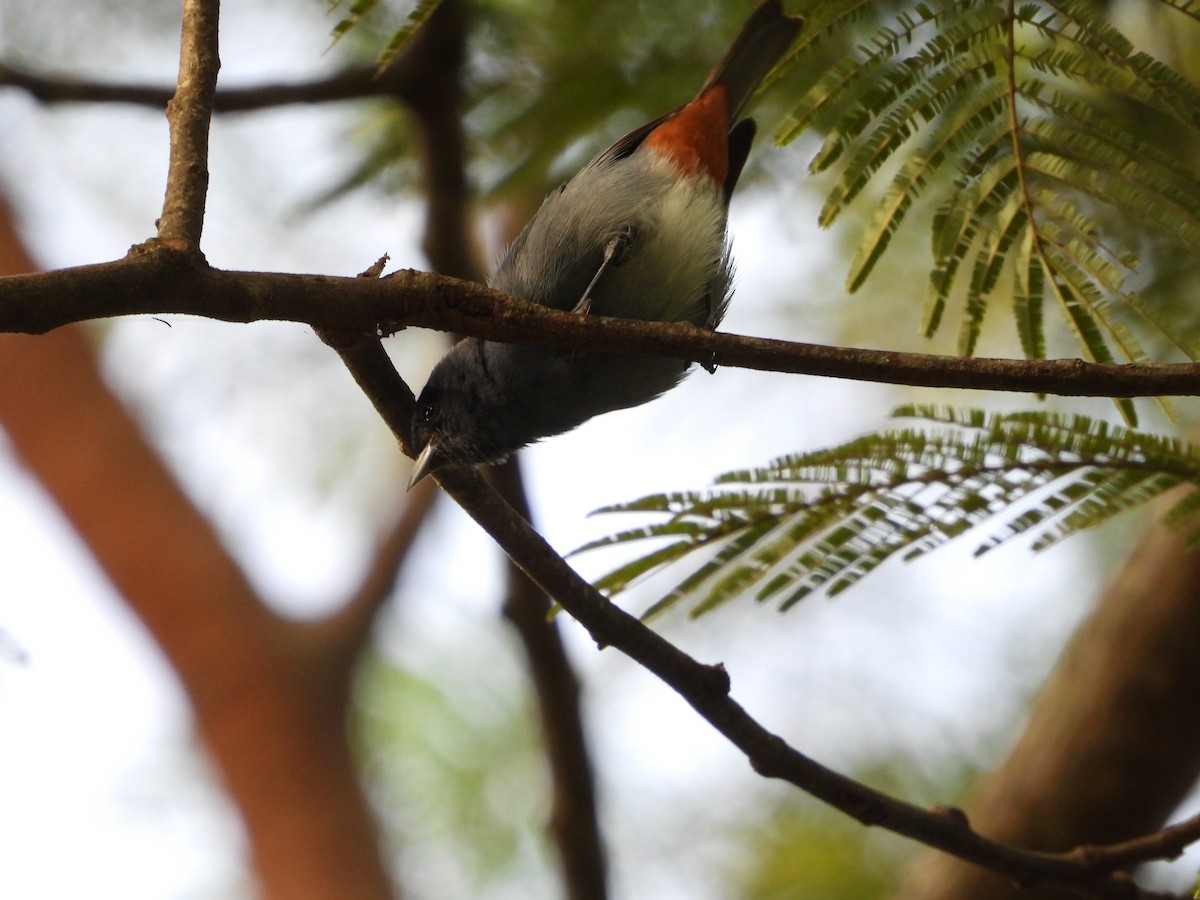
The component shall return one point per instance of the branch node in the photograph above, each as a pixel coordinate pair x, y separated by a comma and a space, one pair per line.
375, 270
721, 681
169, 253
767, 760
953, 813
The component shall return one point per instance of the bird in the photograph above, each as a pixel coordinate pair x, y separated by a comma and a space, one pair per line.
640, 233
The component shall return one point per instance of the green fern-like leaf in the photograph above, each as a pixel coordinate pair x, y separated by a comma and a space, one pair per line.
360, 9
402, 35
826, 519
1001, 115
1188, 7
355, 13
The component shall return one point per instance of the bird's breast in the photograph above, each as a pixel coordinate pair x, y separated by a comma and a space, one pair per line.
675, 256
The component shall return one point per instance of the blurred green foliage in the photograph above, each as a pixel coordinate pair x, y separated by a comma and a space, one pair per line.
456, 774
549, 84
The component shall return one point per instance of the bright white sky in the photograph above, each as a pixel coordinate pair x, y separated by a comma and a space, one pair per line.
95, 747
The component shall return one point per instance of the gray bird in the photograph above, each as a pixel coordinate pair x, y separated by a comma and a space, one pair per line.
637, 233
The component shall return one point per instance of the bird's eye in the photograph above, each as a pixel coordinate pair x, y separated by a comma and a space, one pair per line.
428, 412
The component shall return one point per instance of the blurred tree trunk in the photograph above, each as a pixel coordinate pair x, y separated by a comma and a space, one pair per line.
1113, 742
270, 715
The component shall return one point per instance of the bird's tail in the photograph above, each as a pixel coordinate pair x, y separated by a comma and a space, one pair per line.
763, 40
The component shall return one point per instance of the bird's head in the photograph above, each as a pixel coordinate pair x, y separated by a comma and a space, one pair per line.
456, 415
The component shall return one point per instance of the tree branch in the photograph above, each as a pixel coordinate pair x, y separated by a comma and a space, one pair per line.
402, 79
153, 282
354, 83
189, 114
1167, 843
706, 688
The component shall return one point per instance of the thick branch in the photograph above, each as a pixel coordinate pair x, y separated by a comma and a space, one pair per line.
706, 688
189, 114
260, 703
268, 704
152, 281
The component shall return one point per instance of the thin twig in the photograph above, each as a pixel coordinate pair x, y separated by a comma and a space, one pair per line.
1165, 844
400, 80
353, 83
189, 114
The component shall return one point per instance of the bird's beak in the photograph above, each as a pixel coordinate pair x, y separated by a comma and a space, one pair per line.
424, 464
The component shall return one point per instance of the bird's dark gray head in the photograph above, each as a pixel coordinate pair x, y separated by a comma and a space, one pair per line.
458, 417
